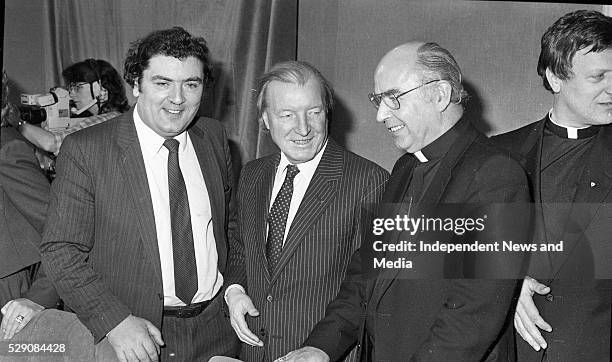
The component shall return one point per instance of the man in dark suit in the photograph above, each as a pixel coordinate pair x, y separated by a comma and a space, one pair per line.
433, 310
285, 292
568, 157
136, 237
24, 195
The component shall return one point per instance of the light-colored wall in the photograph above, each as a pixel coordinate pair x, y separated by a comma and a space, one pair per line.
496, 44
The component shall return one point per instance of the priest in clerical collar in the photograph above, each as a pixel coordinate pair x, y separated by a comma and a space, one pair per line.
564, 307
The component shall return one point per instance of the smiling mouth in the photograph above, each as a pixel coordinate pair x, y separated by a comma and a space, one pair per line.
173, 111
395, 128
302, 142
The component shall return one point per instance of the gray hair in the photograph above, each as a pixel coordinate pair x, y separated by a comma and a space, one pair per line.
296, 72
438, 63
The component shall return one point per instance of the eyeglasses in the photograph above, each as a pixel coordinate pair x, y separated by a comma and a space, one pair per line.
74, 87
391, 99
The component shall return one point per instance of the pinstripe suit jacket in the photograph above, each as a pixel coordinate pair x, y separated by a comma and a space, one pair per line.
316, 253
100, 241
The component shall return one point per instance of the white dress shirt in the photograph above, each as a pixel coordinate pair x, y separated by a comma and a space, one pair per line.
155, 157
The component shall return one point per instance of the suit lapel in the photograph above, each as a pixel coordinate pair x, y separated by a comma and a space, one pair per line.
215, 186
261, 188
135, 176
319, 194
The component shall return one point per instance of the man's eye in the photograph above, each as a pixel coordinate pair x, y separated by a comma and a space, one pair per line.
193, 85
286, 115
597, 77
162, 84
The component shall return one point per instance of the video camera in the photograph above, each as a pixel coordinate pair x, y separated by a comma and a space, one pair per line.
53, 107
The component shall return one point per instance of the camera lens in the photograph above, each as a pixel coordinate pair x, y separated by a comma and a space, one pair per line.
32, 115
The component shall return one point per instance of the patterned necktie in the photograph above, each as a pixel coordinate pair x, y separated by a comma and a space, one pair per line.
185, 271
277, 220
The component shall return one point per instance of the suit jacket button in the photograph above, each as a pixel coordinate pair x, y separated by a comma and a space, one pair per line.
269, 298
262, 332
550, 297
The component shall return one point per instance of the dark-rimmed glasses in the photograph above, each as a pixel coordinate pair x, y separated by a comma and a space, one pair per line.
391, 99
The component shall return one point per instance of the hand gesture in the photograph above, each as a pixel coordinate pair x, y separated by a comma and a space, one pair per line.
527, 318
240, 304
135, 339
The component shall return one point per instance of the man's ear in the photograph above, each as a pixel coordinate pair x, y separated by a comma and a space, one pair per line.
442, 95
553, 80
264, 119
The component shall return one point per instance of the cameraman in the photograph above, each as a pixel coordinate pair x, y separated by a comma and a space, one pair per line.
24, 195
96, 92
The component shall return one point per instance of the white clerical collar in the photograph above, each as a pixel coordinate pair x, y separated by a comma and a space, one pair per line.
568, 131
420, 156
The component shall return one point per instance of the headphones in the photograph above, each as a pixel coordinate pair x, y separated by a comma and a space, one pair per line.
97, 92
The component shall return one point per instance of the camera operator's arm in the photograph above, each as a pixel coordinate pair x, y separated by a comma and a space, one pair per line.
41, 138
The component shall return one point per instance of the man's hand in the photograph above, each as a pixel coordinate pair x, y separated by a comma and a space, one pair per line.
527, 319
240, 304
17, 313
305, 354
135, 339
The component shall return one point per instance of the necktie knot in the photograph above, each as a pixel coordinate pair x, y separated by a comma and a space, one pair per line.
292, 171
171, 144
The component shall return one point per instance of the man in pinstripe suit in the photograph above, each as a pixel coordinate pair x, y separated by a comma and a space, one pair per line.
112, 244
283, 295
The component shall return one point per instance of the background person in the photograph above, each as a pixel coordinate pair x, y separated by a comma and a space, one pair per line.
96, 88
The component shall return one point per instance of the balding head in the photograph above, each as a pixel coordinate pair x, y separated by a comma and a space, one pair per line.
399, 63
418, 88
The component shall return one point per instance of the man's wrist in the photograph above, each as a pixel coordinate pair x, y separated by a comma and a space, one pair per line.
232, 287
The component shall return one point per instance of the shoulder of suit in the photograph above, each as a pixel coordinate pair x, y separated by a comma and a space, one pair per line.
208, 125
362, 165
102, 129
511, 138
485, 156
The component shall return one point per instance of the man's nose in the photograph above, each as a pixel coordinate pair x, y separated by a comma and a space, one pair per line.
176, 94
302, 127
383, 112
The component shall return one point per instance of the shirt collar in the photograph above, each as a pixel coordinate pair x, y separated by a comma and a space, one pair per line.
569, 132
151, 142
440, 146
306, 168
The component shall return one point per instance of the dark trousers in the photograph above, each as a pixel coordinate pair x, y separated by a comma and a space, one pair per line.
201, 337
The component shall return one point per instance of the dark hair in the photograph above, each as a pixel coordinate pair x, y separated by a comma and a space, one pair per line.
297, 72
438, 63
174, 42
98, 70
572, 32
